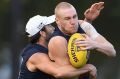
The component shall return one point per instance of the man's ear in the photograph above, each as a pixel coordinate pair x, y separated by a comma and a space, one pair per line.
42, 33
57, 21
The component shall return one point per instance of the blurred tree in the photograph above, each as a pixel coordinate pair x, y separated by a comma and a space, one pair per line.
15, 37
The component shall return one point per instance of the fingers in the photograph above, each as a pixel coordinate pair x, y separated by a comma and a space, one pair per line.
82, 45
85, 36
100, 5
93, 73
91, 67
97, 6
82, 40
87, 11
94, 7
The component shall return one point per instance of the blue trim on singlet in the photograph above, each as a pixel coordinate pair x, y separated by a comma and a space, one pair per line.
57, 32
27, 52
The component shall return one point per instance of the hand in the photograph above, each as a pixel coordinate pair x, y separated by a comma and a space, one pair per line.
93, 12
92, 70
86, 44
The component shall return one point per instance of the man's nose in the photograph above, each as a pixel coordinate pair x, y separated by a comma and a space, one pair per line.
72, 21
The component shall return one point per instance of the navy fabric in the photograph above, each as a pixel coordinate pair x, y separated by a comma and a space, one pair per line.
27, 52
57, 32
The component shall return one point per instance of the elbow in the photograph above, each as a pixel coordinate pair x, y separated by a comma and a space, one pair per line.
113, 52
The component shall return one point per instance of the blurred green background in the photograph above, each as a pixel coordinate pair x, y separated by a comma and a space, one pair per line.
14, 15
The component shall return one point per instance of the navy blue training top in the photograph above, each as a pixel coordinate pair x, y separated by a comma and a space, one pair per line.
57, 32
27, 52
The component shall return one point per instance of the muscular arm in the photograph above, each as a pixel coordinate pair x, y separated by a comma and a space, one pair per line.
104, 46
58, 50
96, 41
40, 61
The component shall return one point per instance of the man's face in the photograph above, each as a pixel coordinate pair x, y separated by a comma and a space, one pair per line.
67, 20
49, 29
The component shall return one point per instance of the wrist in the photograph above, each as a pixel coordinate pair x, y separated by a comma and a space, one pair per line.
88, 20
96, 45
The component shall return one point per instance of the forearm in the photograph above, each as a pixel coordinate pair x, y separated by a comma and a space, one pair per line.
70, 72
106, 48
87, 20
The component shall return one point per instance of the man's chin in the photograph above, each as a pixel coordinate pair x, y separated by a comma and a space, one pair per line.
71, 33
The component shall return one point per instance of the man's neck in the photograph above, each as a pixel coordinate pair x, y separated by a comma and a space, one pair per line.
42, 43
63, 31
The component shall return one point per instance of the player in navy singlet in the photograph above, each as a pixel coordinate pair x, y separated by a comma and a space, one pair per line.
68, 24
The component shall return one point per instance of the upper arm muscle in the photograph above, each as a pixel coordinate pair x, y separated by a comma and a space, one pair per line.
58, 50
43, 63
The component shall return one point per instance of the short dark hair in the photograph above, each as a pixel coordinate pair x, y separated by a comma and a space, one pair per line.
35, 37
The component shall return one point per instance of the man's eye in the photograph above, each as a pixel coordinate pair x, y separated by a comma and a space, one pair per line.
74, 16
67, 18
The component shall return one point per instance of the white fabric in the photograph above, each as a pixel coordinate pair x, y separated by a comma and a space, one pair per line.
36, 23
89, 29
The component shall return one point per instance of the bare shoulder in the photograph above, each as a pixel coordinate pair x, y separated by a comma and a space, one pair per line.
38, 56
80, 21
57, 40
33, 62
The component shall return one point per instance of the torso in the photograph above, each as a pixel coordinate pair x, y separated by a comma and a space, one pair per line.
65, 59
25, 73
